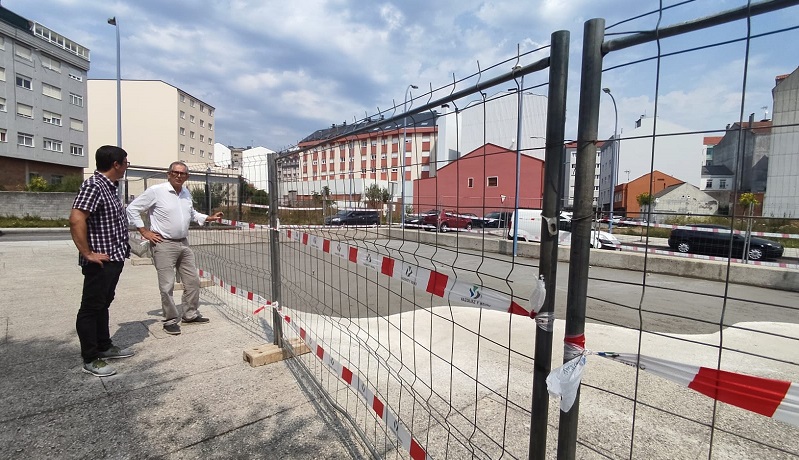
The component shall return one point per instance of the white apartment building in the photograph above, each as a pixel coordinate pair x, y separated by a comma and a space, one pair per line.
570, 163
782, 187
160, 123
680, 156
42, 103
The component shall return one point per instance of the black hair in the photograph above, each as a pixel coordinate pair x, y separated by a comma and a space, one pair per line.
107, 155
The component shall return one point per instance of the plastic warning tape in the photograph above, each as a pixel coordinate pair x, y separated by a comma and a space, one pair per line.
710, 230
394, 424
433, 282
704, 257
778, 399
357, 383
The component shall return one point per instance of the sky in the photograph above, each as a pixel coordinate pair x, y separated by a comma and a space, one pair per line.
276, 71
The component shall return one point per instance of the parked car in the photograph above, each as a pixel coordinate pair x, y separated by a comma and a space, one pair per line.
354, 217
497, 219
719, 243
477, 221
604, 240
445, 220
417, 220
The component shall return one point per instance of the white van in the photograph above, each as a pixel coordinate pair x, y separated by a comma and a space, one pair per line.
530, 230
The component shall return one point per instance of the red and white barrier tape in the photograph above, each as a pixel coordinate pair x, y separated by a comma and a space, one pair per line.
777, 399
393, 423
433, 282
416, 451
704, 257
710, 230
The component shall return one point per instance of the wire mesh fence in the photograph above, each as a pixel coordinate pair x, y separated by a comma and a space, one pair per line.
417, 254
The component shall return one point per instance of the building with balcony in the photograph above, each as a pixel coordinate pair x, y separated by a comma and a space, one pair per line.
43, 114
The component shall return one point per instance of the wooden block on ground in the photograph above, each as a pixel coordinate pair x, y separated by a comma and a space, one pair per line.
271, 353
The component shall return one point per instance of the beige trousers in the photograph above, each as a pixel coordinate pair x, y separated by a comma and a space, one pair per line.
169, 256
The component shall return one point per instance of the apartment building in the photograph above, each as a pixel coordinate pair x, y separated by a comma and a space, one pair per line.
43, 116
348, 164
160, 122
570, 167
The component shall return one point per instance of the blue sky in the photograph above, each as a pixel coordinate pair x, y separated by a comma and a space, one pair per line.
278, 70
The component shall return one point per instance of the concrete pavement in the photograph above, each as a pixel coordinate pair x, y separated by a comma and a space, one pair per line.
186, 396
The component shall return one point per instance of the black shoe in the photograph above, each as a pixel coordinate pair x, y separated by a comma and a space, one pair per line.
197, 319
173, 329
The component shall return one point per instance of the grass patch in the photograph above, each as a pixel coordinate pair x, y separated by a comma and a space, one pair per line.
32, 222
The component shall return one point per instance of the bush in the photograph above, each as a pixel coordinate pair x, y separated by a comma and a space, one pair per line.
37, 184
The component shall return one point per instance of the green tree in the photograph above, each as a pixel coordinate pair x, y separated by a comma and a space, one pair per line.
200, 201
374, 195
644, 199
37, 184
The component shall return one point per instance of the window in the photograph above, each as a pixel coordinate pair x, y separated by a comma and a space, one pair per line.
52, 118
395, 140
56, 180
191, 118
492, 181
202, 123
76, 124
2, 42
202, 138
2, 104
723, 183
75, 77
25, 140
24, 110
709, 183
210, 111
23, 52
3, 135
191, 150
470, 182
74, 99
182, 147
383, 141
51, 91
182, 98
2, 74
182, 115
182, 131
202, 108
191, 134
52, 145
210, 141
76, 150
210, 154
24, 82
202, 153
50, 63
211, 126
192, 103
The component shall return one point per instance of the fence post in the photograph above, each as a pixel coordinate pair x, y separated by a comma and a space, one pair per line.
208, 190
548, 266
587, 128
274, 247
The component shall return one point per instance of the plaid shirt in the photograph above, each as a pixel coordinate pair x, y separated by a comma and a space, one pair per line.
107, 224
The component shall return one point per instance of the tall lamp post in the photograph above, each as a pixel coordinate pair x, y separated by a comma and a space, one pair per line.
404, 148
520, 99
614, 158
113, 22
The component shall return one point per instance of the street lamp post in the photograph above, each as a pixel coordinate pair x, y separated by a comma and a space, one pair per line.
614, 160
113, 22
404, 148
520, 99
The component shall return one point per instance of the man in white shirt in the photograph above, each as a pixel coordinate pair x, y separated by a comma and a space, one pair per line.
169, 207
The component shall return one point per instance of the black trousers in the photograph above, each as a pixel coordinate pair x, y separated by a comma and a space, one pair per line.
99, 285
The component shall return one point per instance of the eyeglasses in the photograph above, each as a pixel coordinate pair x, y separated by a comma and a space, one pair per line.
179, 173
123, 163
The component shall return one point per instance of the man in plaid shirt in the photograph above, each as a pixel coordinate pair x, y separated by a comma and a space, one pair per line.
99, 227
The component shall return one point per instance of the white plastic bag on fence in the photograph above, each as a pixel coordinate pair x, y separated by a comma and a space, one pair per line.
140, 247
564, 381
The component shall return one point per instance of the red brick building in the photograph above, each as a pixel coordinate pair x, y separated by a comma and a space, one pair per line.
626, 195
482, 181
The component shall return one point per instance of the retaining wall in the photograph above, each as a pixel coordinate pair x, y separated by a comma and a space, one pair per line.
45, 205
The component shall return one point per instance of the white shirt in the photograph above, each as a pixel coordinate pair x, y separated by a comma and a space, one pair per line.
170, 212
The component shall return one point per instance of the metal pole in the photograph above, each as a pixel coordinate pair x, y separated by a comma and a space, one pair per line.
613, 159
114, 22
520, 97
274, 247
404, 148
208, 191
548, 266
587, 127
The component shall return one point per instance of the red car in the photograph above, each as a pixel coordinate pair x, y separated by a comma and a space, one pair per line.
447, 219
